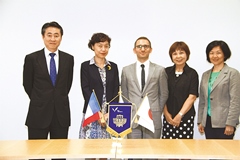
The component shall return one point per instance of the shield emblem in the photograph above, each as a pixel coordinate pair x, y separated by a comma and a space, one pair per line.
119, 122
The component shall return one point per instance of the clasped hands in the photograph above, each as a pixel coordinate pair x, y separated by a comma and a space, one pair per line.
103, 119
174, 121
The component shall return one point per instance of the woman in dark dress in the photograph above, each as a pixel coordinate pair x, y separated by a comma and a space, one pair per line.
179, 112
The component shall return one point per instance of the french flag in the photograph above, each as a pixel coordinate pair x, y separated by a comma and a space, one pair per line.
93, 109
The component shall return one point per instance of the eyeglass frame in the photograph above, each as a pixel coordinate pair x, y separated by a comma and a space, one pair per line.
143, 46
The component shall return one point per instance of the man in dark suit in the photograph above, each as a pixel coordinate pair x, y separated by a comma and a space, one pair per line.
49, 111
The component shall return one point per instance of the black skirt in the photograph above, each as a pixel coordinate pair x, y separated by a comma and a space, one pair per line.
184, 131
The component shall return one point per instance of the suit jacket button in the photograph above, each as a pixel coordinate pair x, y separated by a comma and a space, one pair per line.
141, 96
211, 98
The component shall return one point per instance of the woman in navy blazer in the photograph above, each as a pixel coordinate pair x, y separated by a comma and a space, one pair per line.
219, 102
100, 75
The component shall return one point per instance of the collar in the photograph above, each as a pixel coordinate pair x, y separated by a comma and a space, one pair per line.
47, 52
92, 61
185, 68
146, 63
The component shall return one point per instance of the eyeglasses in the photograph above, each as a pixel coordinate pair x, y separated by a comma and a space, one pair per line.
143, 46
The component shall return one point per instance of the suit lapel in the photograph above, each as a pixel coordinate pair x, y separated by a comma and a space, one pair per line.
206, 81
220, 77
94, 71
109, 73
133, 72
43, 64
150, 74
61, 63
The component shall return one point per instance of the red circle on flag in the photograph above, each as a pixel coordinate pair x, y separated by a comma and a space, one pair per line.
150, 114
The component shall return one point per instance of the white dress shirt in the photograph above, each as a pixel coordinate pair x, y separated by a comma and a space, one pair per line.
139, 70
48, 57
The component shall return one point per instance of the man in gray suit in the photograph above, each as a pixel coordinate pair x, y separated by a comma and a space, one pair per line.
152, 83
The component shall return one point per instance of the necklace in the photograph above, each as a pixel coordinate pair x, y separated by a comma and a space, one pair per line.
178, 73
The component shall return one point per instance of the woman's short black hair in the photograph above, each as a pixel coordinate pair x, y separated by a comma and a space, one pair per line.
224, 47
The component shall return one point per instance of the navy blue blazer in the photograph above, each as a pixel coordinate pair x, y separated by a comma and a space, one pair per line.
91, 80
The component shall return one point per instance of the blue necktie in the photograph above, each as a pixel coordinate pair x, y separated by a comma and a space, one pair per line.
53, 72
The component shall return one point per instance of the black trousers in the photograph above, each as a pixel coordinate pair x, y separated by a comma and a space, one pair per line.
216, 133
55, 130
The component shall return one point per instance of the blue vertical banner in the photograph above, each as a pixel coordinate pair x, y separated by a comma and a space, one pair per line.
120, 116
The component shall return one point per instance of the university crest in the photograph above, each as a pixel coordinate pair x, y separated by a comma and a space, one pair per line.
119, 122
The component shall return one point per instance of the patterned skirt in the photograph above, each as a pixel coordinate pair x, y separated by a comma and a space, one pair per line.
184, 131
93, 131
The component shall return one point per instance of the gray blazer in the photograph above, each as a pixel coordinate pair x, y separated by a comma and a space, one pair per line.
224, 97
155, 87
